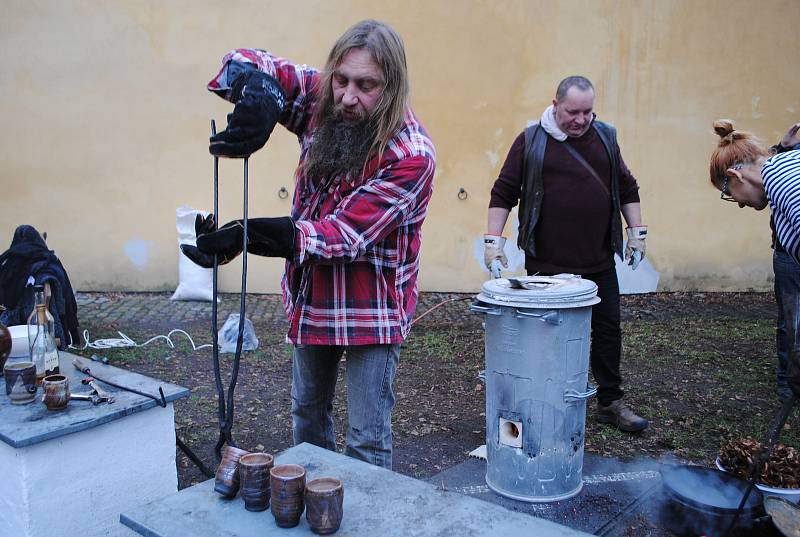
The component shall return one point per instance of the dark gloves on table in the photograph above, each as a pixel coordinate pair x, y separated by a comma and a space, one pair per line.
259, 100
268, 237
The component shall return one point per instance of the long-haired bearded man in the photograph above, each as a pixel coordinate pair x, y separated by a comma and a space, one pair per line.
352, 241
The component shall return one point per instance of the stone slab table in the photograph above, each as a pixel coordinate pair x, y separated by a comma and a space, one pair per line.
376, 502
73, 471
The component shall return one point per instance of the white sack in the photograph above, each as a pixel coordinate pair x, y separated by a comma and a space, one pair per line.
194, 282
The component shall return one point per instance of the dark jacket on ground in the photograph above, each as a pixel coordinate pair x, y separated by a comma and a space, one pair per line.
29, 262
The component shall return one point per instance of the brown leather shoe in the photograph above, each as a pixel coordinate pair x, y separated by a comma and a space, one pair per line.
620, 416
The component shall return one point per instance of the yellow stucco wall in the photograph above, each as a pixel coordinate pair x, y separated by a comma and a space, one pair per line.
106, 117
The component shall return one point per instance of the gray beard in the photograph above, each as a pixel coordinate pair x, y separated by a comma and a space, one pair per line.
339, 148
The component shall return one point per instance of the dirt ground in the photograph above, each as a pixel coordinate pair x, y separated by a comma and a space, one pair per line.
700, 366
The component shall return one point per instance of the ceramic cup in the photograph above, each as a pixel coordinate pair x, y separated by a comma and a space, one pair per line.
20, 382
254, 478
56, 392
287, 483
226, 480
324, 498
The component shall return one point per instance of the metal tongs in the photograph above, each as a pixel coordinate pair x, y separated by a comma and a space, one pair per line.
93, 379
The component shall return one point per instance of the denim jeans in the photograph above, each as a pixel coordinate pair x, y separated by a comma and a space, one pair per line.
787, 284
370, 372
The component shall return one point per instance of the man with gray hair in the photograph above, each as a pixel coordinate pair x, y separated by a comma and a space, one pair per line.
567, 173
353, 239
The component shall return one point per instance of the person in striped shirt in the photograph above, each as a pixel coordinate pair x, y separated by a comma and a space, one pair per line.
746, 172
352, 242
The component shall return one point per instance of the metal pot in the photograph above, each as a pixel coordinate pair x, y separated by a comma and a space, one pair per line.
704, 501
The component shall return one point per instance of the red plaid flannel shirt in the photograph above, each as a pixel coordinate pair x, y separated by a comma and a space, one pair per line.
353, 279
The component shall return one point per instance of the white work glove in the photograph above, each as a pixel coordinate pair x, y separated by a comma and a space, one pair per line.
493, 253
635, 247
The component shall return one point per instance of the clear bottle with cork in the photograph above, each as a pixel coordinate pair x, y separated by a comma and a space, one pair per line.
41, 338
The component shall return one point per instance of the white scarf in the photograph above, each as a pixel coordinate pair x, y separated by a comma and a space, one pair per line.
548, 123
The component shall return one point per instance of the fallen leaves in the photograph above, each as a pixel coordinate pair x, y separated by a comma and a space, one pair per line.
782, 470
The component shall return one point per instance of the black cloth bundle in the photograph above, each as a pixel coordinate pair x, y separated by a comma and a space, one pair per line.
29, 262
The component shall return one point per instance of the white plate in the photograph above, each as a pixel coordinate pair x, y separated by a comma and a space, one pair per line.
793, 495
19, 340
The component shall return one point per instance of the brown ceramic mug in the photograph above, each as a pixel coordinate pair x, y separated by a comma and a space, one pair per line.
226, 480
20, 382
324, 498
287, 484
254, 479
5, 341
56, 392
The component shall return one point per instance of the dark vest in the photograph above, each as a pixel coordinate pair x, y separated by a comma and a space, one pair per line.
530, 204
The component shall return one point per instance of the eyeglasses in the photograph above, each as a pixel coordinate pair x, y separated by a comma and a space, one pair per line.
725, 194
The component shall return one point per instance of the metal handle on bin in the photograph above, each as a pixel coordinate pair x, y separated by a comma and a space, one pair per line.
483, 309
572, 395
551, 317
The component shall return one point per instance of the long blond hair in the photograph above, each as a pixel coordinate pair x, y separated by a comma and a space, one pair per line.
735, 147
387, 50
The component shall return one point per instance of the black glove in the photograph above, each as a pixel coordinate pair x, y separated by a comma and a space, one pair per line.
259, 100
205, 225
268, 237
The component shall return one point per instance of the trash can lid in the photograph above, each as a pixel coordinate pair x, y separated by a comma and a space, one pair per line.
559, 291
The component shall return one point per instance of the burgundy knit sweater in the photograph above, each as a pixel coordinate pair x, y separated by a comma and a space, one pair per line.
573, 231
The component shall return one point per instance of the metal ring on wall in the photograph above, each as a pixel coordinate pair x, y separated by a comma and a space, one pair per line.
283, 193
462, 193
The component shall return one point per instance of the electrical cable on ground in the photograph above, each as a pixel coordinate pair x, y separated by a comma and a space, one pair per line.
125, 341
442, 303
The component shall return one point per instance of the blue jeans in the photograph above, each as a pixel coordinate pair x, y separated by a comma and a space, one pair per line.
787, 284
370, 372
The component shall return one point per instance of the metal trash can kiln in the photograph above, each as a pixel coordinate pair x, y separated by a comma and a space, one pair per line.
537, 361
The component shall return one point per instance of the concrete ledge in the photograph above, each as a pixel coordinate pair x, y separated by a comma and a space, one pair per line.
376, 502
76, 485
26, 425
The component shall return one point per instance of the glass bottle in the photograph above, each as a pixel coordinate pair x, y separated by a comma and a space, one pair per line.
41, 340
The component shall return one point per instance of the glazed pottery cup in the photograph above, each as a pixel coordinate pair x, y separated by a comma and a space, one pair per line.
20, 382
287, 483
324, 498
254, 477
5, 342
56, 392
226, 480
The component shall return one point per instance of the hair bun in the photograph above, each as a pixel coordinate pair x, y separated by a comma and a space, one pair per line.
724, 128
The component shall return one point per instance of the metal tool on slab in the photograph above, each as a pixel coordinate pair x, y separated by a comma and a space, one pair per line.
91, 397
104, 395
82, 366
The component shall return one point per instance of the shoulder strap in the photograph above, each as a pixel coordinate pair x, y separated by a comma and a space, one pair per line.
574, 152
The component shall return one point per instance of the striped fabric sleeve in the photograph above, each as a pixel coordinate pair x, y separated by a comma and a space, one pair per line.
368, 214
298, 82
781, 175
